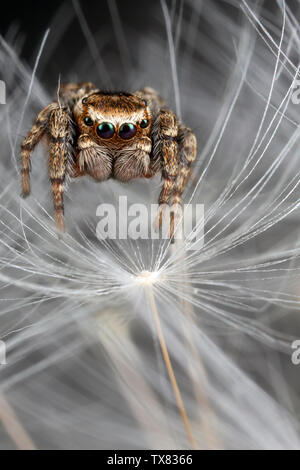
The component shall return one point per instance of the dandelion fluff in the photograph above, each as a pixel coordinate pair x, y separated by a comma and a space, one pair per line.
85, 364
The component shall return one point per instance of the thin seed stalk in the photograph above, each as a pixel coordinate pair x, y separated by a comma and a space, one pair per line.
14, 427
165, 353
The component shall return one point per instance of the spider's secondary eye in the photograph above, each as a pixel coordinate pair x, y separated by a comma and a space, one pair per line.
105, 130
127, 130
88, 121
144, 123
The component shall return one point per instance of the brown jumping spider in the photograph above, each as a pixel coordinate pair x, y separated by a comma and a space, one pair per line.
111, 135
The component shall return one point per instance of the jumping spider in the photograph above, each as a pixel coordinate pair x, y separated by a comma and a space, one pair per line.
111, 135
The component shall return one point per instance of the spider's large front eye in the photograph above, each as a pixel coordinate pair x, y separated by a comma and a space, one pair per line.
88, 121
127, 130
105, 130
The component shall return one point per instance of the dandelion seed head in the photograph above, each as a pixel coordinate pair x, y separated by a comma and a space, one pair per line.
148, 278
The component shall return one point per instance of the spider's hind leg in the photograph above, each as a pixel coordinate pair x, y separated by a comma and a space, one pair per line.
60, 141
69, 93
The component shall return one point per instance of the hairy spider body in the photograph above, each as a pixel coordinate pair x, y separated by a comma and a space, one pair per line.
111, 135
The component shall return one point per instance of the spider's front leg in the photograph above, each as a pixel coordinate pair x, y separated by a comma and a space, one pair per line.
168, 150
178, 148
60, 141
187, 145
54, 122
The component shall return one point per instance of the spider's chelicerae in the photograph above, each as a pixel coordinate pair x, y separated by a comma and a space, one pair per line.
111, 135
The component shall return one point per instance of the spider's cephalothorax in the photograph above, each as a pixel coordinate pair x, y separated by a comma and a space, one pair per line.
111, 135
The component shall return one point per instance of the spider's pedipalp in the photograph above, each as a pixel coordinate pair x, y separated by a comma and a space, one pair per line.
29, 143
134, 161
92, 159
